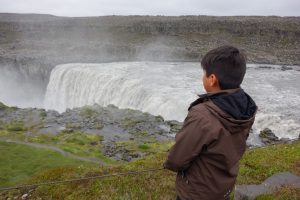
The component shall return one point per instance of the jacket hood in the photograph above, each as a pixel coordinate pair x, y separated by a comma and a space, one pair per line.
238, 105
235, 102
234, 108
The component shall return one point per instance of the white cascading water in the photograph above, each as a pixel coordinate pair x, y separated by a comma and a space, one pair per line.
157, 88
167, 89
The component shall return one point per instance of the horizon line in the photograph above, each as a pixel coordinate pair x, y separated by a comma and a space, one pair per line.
147, 15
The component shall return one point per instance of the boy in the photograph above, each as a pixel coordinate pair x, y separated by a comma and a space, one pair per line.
213, 137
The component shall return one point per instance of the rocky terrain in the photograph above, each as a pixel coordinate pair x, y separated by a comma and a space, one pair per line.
121, 134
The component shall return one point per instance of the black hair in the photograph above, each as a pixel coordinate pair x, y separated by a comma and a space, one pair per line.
228, 64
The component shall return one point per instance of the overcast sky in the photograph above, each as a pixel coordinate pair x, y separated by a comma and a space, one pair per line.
153, 7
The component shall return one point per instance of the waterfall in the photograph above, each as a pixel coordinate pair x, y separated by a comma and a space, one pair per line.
167, 89
157, 88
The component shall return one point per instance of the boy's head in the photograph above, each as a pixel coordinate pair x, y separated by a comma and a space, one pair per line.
224, 68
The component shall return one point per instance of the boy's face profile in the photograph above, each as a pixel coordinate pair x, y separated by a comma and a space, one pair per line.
224, 68
210, 83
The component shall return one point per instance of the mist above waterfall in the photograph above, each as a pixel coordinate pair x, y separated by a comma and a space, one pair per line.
17, 89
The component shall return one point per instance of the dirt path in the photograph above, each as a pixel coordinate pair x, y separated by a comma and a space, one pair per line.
53, 148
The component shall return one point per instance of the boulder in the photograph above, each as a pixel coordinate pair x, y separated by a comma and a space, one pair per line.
268, 137
269, 186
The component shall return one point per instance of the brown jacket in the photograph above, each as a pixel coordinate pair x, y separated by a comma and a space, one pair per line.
210, 144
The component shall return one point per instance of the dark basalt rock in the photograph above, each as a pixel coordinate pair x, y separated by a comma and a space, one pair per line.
268, 137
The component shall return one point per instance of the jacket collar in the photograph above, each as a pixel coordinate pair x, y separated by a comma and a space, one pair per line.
205, 97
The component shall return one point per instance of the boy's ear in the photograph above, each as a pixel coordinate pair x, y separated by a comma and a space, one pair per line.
213, 81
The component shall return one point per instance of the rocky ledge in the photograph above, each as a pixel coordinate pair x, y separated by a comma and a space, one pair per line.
120, 134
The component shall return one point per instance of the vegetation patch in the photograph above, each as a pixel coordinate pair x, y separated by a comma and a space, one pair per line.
144, 146
67, 131
73, 126
43, 114
130, 122
161, 184
98, 126
15, 135
3, 133
19, 163
2, 125
148, 147
285, 193
3, 106
16, 126
44, 139
7, 108
78, 143
139, 133
259, 164
83, 138
88, 111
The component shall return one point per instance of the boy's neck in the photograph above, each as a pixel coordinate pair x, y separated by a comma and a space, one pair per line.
226, 91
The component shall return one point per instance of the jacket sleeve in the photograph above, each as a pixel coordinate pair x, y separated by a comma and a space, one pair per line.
189, 141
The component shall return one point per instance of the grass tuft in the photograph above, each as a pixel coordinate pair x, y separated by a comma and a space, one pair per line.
16, 126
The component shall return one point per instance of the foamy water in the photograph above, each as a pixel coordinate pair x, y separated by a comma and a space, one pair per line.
167, 89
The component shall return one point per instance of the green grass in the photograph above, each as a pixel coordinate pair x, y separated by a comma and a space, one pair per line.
44, 139
14, 135
139, 133
256, 166
77, 143
149, 147
73, 126
19, 163
6, 108
3, 106
285, 193
15, 126
155, 185
259, 164
128, 122
98, 126
81, 144
160, 185
88, 111
144, 146
13, 130
43, 114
